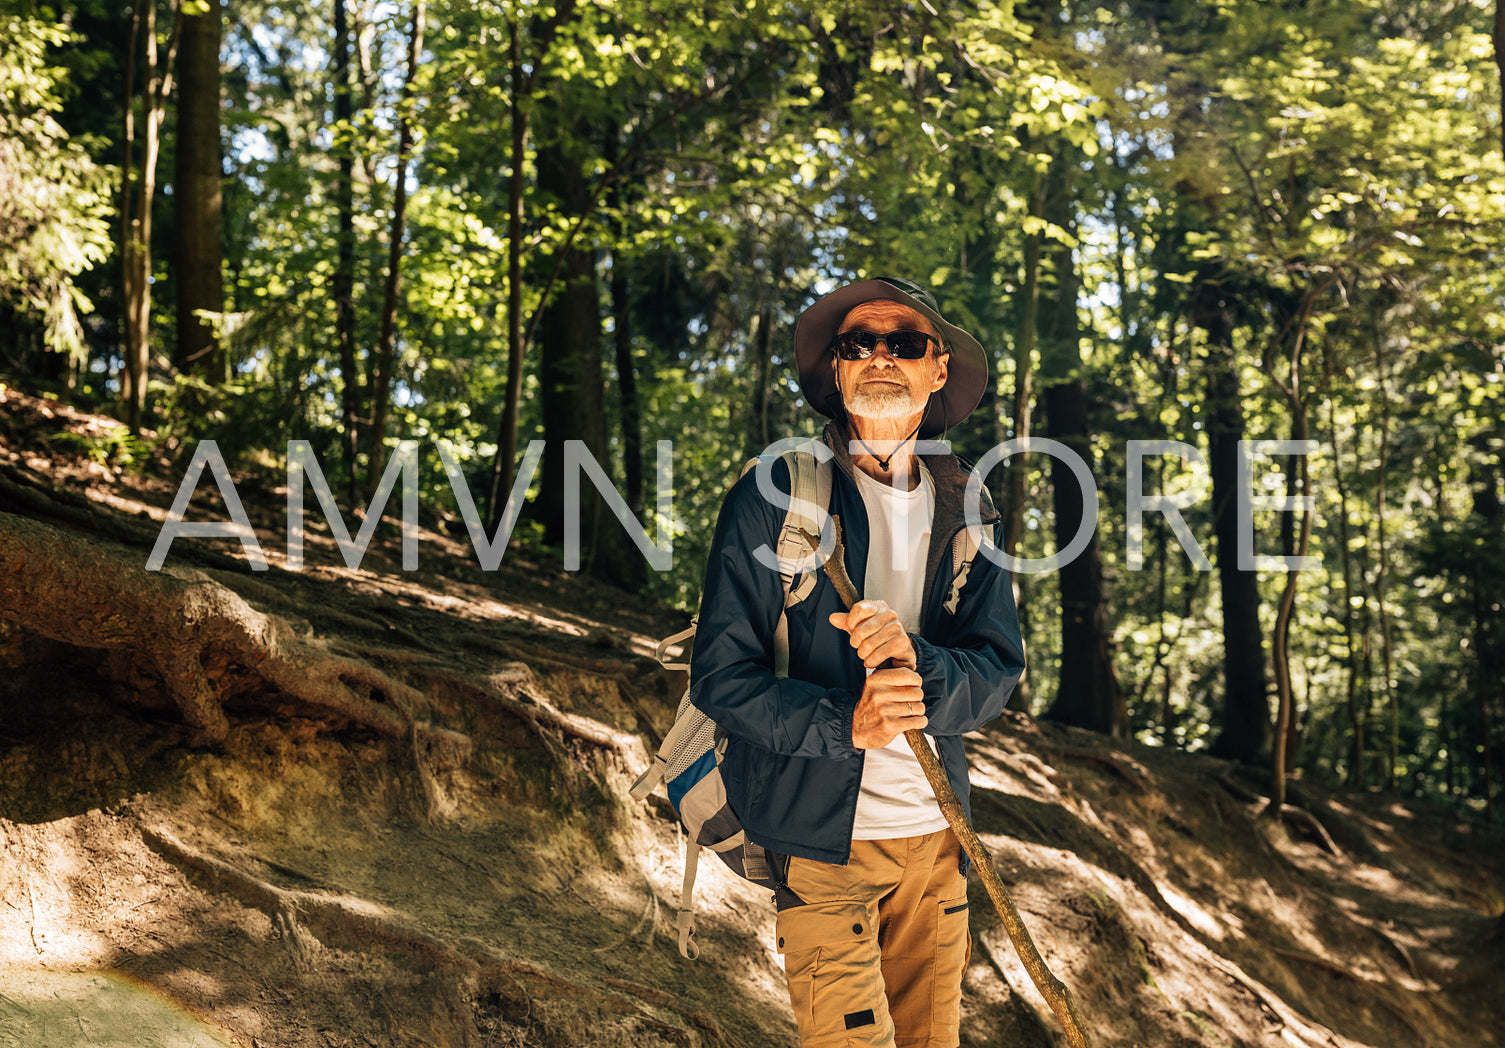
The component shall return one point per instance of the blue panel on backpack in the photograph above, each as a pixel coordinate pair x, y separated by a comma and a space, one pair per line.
689, 777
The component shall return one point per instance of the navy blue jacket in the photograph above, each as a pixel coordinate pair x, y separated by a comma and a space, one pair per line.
792, 774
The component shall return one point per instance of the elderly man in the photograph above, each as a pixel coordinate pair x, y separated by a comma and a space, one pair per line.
871, 896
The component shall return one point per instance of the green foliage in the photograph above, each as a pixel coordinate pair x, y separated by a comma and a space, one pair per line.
54, 199
1332, 168
116, 446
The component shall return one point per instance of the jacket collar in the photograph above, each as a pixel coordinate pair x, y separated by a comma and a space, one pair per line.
950, 476
949, 473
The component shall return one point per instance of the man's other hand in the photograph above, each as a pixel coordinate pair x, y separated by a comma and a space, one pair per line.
892, 702
877, 634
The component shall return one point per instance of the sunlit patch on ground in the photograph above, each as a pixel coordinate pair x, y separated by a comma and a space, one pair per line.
45, 1009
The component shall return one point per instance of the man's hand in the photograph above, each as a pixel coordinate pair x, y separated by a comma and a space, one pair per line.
877, 634
892, 702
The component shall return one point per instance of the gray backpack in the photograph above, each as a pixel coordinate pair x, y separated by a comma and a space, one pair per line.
689, 761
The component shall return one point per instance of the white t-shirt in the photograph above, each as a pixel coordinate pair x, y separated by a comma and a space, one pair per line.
896, 799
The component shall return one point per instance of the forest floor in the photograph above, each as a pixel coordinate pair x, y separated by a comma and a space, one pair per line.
390, 808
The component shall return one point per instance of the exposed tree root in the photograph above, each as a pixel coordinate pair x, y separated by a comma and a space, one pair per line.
1304, 818
1288, 813
998, 804
1047, 1031
1317, 962
307, 921
181, 621
715, 1036
330, 919
1244, 794
1128, 770
1394, 1009
514, 689
24, 489
607, 668
1400, 948
1305, 1032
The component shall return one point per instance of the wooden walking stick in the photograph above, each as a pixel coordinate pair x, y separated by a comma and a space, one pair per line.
1055, 992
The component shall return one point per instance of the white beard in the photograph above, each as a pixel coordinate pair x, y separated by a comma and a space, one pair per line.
882, 400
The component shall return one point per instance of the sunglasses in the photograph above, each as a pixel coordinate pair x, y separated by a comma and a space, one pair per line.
904, 345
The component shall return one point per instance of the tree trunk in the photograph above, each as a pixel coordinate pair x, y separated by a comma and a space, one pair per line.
1485, 680
381, 387
522, 80
757, 400
1017, 477
1281, 751
196, 195
1024, 356
506, 439
627, 387
136, 249
572, 386
343, 284
1383, 570
621, 310
1500, 61
1489, 512
1244, 733
1088, 695
1356, 767
127, 229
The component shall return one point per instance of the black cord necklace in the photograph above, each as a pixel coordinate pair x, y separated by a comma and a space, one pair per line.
883, 462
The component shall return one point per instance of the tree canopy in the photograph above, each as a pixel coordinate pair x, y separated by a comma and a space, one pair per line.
495, 223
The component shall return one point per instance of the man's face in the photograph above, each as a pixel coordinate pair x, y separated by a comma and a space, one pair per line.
884, 386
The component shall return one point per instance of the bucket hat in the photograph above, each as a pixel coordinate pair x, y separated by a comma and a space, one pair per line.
967, 369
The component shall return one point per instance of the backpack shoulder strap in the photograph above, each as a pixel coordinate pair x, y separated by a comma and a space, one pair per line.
809, 485
965, 546
963, 552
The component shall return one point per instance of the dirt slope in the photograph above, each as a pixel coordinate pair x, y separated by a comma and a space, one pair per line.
312, 875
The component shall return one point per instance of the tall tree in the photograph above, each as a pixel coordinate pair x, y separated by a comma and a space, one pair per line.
138, 192
571, 377
196, 192
342, 284
523, 74
1244, 724
621, 315
383, 361
1088, 694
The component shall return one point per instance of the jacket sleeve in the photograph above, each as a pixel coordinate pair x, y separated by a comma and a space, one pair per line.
732, 668
971, 672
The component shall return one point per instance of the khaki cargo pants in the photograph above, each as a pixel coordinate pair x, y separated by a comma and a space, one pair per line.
875, 950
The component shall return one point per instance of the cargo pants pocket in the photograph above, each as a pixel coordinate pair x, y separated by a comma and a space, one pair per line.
835, 979
953, 952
